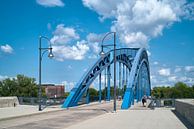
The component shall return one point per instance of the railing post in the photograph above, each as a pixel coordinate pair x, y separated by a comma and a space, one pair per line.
119, 75
123, 76
105, 89
87, 97
100, 91
132, 93
108, 90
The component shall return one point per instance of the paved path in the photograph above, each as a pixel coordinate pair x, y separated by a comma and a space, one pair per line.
133, 119
99, 116
24, 110
58, 119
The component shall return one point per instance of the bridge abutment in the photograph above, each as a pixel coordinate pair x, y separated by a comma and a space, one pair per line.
185, 107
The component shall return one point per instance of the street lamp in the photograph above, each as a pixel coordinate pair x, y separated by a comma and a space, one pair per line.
42, 51
102, 53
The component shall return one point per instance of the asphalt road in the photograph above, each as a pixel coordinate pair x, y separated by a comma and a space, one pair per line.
58, 119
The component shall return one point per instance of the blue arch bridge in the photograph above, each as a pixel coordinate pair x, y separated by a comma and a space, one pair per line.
134, 64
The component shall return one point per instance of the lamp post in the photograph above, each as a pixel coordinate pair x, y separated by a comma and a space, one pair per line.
42, 51
102, 53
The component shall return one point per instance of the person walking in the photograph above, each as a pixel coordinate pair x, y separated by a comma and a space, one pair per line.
144, 100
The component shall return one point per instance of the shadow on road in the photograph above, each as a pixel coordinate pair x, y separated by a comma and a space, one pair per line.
183, 120
103, 110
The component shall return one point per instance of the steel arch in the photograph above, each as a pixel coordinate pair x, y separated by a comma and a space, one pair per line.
128, 56
140, 61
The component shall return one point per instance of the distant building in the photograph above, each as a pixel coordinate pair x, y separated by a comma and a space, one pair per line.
54, 91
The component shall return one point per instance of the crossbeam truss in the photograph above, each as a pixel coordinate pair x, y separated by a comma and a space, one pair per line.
136, 77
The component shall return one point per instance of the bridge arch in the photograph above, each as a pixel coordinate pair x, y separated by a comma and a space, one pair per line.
139, 72
128, 56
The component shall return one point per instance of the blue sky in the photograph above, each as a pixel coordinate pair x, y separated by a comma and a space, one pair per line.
76, 28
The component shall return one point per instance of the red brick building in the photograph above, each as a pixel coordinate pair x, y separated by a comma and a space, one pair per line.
54, 91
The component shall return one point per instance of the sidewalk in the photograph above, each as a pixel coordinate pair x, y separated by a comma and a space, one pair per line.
133, 119
25, 110
28, 110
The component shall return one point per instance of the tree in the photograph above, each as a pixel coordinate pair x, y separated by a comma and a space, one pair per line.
119, 92
19, 86
66, 94
1, 85
27, 86
93, 94
184, 90
179, 90
8, 87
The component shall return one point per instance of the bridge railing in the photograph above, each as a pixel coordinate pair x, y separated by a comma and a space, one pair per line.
44, 101
168, 102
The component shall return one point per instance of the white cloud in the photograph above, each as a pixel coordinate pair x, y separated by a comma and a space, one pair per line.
156, 63
152, 77
63, 35
187, 80
189, 11
75, 52
133, 39
164, 72
3, 77
168, 77
94, 42
177, 70
92, 56
7, 49
138, 21
65, 44
149, 53
50, 3
189, 68
172, 79
105, 8
96, 81
68, 85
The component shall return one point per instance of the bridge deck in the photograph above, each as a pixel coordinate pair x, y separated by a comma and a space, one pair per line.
134, 119
96, 116
58, 119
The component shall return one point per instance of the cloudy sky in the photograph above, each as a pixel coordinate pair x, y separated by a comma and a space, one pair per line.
76, 28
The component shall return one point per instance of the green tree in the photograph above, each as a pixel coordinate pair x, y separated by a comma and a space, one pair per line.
179, 90
19, 86
184, 90
119, 92
93, 94
8, 87
1, 85
66, 94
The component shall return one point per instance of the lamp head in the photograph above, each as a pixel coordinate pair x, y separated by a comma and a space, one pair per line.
50, 55
102, 54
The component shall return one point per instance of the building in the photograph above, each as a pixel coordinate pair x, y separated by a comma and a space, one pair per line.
54, 91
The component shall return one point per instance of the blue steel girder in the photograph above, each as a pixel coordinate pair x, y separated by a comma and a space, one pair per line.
127, 56
140, 62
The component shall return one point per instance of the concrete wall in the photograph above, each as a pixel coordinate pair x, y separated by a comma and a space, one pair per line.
8, 101
186, 108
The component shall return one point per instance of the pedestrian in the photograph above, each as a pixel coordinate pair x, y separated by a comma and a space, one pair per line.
14, 104
144, 100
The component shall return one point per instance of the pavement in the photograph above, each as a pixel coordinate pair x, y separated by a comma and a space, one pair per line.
58, 119
133, 119
24, 110
96, 116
